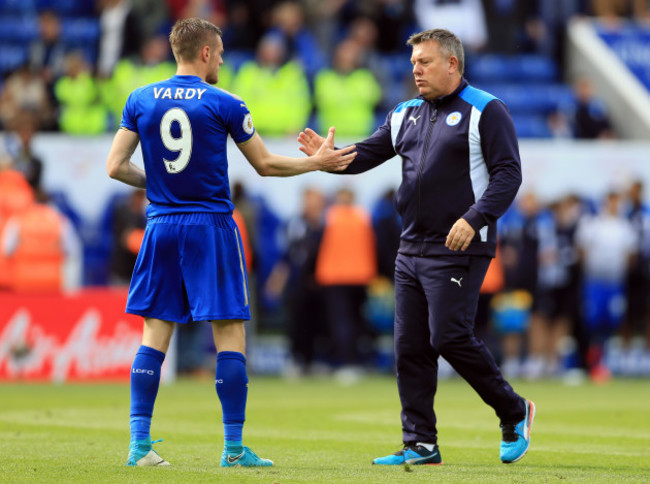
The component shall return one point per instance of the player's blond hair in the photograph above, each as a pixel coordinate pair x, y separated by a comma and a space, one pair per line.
189, 35
449, 43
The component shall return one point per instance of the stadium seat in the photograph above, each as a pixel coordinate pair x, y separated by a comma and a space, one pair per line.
532, 99
11, 57
527, 68
535, 68
398, 66
488, 68
68, 7
18, 30
18, 6
79, 31
531, 126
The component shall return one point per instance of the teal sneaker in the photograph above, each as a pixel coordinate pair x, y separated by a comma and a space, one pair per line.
516, 438
247, 458
412, 454
141, 454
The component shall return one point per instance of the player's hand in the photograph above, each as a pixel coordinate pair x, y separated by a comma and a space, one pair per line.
332, 159
310, 141
460, 235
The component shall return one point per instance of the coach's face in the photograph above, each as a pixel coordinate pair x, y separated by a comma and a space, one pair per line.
436, 74
215, 61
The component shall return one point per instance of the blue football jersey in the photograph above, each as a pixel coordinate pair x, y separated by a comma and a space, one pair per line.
183, 124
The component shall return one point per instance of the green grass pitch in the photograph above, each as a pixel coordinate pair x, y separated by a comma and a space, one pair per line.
319, 432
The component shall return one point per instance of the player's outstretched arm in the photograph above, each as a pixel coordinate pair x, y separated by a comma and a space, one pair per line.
118, 163
325, 158
310, 141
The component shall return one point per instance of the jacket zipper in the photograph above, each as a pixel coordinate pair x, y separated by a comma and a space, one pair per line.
424, 155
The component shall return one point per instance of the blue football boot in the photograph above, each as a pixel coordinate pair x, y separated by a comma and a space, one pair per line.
412, 454
247, 458
516, 437
142, 454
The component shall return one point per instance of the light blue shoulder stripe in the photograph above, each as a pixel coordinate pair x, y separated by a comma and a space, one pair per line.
477, 98
403, 105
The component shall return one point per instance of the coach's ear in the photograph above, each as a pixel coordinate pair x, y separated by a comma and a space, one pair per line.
452, 64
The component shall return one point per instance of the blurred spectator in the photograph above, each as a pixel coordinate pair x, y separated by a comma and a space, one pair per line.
152, 65
363, 31
387, 227
493, 284
345, 265
47, 52
387, 224
510, 316
504, 20
42, 249
393, 77
607, 246
612, 10
246, 216
25, 90
121, 35
16, 143
346, 95
520, 256
277, 92
245, 239
247, 213
551, 344
564, 302
211, 10
465, 18
243, 28
287, 26
528, 27
590, 120
324, 20
153, 17
129, 221
394, 19
15, 196
294, 277
155, 60
556, 15
637, 321
559, 124
78, 95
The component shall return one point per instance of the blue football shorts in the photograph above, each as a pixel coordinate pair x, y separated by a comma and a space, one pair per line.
190, 267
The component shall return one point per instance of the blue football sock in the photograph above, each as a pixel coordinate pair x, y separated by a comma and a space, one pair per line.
232, 388
145, 379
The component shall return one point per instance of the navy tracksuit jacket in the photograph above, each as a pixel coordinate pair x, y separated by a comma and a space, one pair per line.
460, 158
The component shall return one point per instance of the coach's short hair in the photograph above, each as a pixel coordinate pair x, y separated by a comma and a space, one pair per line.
449, 43
189, 35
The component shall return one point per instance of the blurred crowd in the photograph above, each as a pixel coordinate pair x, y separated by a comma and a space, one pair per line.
566, 297
73, 63
567, 291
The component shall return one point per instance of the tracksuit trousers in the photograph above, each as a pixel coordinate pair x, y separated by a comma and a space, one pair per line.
435, 306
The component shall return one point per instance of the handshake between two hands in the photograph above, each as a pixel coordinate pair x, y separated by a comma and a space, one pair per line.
312, 144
